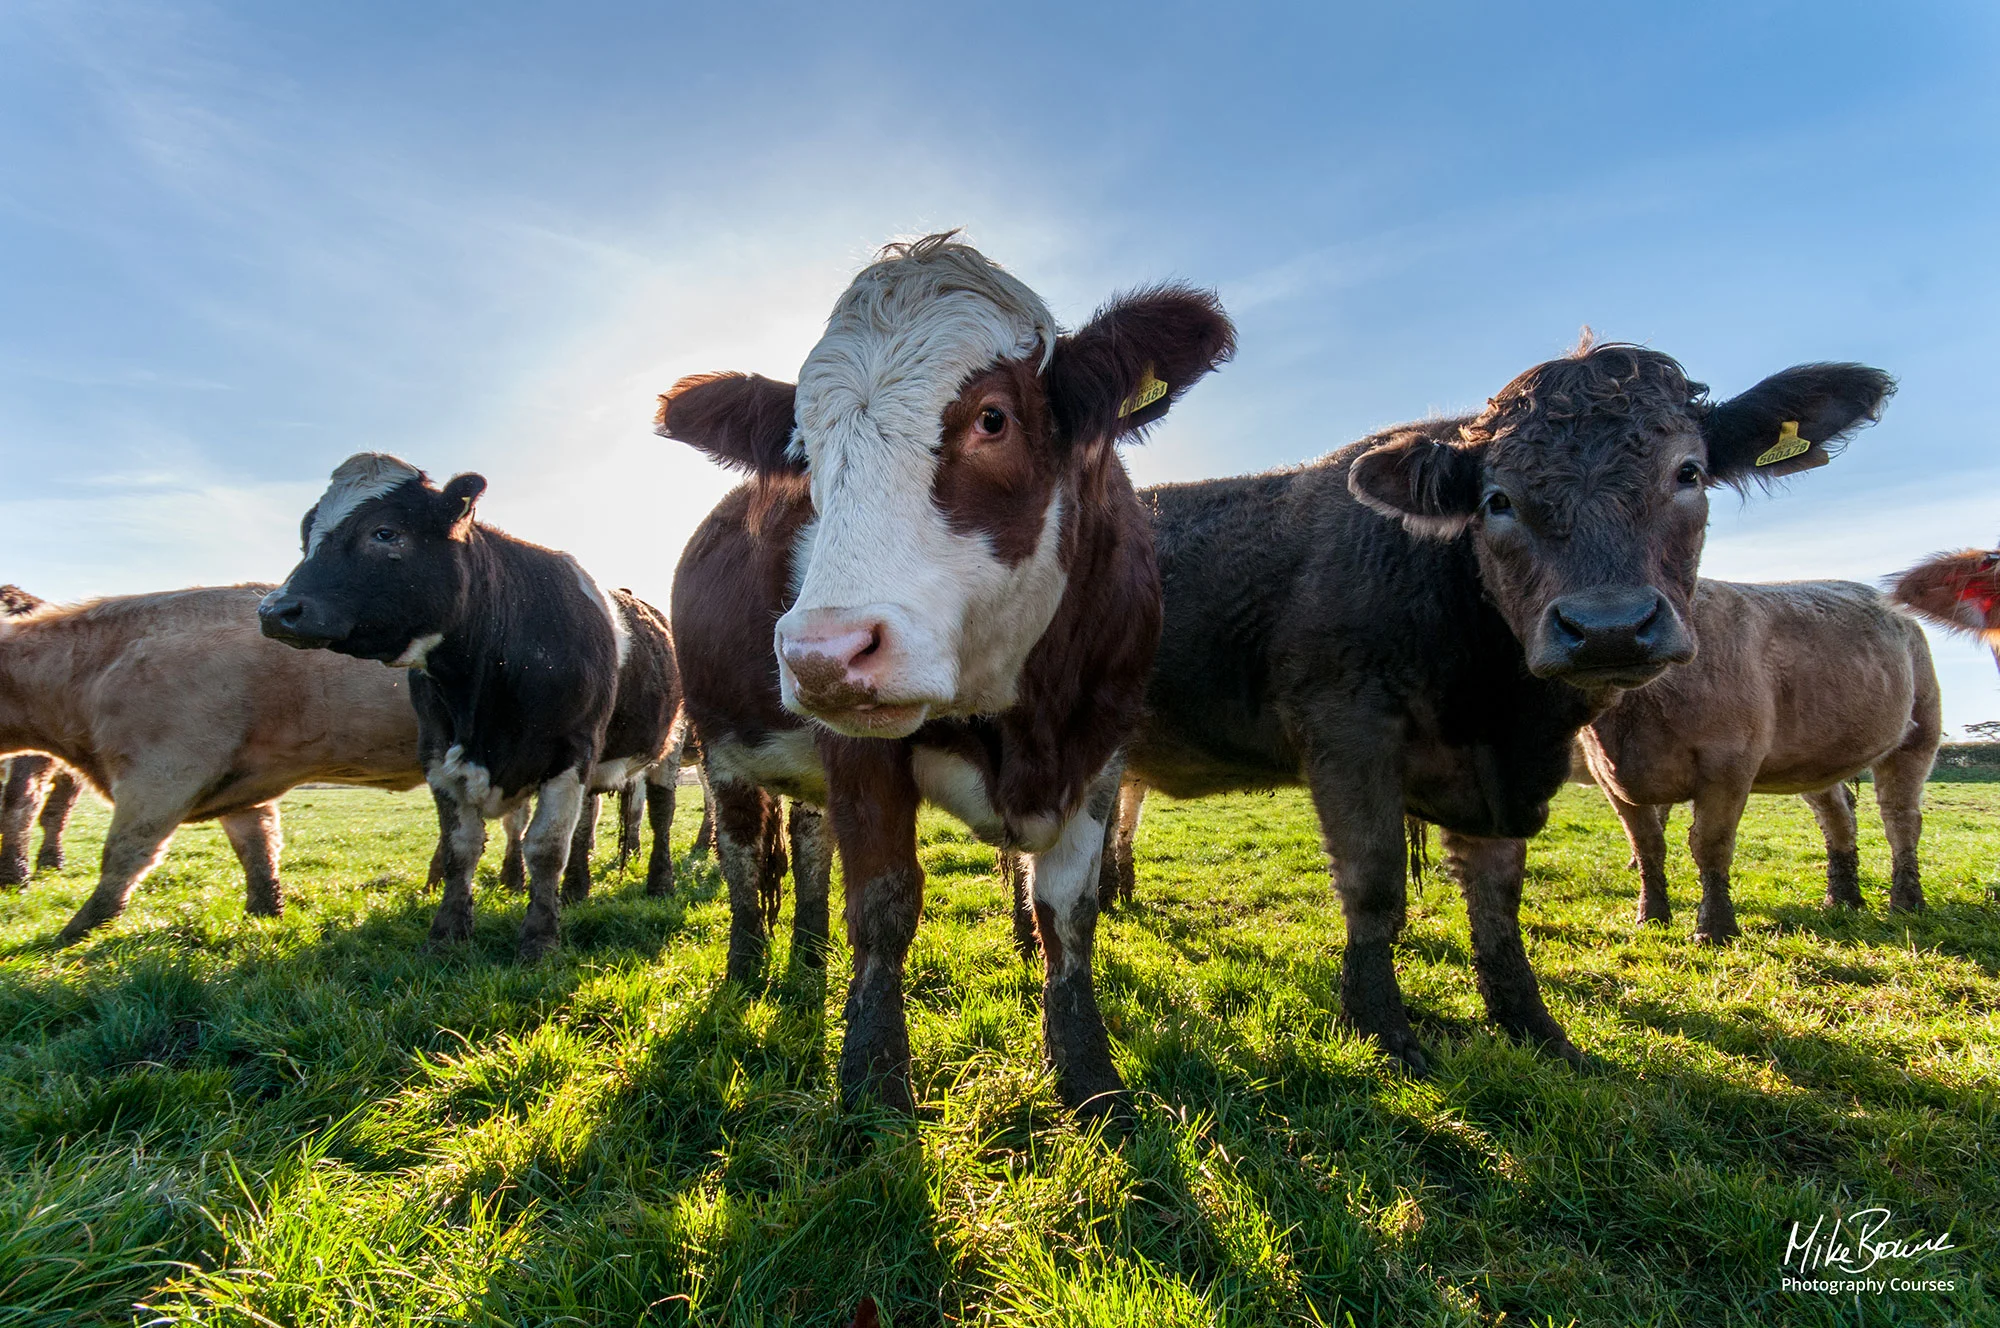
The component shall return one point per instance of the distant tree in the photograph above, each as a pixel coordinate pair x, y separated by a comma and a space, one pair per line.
1986, 730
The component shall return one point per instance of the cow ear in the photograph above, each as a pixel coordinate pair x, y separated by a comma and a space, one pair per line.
741, 420
1431, 486
1792, 421
1124, 368
457, 502
306, 527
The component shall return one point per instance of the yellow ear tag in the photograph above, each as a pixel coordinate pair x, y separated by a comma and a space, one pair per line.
1789, 445
1150, 390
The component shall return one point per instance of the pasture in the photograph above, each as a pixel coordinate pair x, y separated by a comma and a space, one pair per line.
308, 1121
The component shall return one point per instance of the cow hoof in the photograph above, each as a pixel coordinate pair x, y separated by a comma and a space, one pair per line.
535, 946
1403, 1049
1099, 1095
575, 894
1647, 918
1716, 936
449, 929
661, 886
809, 948
1906, 904
13, 873
887, 1088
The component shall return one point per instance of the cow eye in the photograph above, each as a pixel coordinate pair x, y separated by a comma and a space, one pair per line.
1690, 472
992, 420
1498, 504
384, 535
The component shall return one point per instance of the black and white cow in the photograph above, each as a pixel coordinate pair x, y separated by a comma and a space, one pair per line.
528, 679
939, 587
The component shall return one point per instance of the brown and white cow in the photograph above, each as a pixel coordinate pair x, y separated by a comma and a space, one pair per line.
1420, 623
38, 789
941, 564
176, 708
1797, 688
529, 680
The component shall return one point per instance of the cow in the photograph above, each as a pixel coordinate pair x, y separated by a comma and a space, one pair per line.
529, 681
175, 708
1958, 591
937, 587
1797, 688
1422, 621
38, 788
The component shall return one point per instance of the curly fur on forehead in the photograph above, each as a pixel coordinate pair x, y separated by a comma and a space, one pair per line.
15, 601
1612, 382
354, 481
910, 328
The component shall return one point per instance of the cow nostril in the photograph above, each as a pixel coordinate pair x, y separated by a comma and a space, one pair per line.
874, 644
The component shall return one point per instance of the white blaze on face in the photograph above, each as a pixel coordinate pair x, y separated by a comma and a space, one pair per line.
900, 344
363, 476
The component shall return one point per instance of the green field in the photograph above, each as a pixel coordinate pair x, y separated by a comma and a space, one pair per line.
307, 1120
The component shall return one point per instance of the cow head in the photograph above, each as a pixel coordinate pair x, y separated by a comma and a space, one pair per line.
1584, 489
949, 433
1959, 591
384, 571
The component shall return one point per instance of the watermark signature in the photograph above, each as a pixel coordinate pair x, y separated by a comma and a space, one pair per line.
1853, 1253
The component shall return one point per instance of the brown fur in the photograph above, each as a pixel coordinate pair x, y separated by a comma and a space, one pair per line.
1797, 688
175, 707
1957, 591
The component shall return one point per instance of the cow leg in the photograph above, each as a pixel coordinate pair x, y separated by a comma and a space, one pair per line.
141, 825
1066, 904
739, 833
656, 794
1022, 904
28, 779
812, 882
576, 872
1833, 808
1107, 853
1718, 808
558, 807
1131, 804
54, 820
460, 844
706, 836
1489, 874
873, 804
631, 820
1358, 795
258, 838
514, 860
772, 866
1645, 831
1899, 796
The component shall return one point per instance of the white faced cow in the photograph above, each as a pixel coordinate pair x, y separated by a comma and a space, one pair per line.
528, 679
942, 565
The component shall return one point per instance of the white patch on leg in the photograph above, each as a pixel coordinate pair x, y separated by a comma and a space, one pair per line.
469, 783
547, 842
1061, 877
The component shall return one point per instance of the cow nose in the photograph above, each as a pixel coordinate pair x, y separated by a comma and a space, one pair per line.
1611, 629
836, 662
282, 617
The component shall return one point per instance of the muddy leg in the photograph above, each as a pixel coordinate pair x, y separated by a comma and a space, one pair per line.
631, 820
1131, 803
1718, 808
874, 812
659, 805
257, 837
141, 825
1358, 795
771, 873
1899, 795
459, 847
812, 876
1014, 878
558, 807
739, 826
54, 820
576, 872
1833, 808
1489, 874
706, 837
514, 861
28, 779
1073, 1036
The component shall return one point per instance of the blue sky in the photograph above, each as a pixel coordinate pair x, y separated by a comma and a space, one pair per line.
238, 243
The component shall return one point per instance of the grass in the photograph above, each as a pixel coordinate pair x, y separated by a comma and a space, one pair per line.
307, 1120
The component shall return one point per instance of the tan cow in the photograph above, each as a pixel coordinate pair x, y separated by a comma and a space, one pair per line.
178, 709
1797, 688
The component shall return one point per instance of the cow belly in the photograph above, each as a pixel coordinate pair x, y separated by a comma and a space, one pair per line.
785, 762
